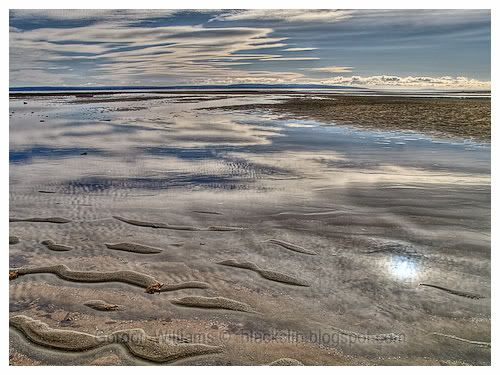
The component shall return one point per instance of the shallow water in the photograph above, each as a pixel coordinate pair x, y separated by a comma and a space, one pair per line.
383, 211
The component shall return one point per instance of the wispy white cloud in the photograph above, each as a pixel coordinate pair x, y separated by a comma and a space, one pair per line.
279, 58
287, 15
128, 15
298, 49
332, 69
113, 53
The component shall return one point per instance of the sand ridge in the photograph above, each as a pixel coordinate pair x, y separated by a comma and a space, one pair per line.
292, 247
212, 303
138, 343
472, 342
453, 291
267, 274
55, 220
134, 248
285, 362
380, 337
51, 245
215, 228
124, 276
101, 305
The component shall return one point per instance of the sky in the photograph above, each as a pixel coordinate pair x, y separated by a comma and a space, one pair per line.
368, 48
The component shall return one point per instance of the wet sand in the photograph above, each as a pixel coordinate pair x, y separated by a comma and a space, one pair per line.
233, 229
451, 116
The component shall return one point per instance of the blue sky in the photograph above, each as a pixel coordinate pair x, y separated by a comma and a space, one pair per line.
370, 48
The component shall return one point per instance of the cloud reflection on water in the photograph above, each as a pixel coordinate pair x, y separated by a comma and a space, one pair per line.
254, 149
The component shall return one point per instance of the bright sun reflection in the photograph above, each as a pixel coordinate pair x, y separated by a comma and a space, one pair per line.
403, 268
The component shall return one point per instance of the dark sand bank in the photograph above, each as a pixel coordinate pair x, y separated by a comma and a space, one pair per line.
458, 117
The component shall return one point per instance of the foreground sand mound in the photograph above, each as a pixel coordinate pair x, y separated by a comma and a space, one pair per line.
136, 341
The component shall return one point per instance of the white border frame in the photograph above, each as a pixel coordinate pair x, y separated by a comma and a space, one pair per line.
237, 4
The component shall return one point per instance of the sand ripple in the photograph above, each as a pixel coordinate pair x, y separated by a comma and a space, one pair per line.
51, 245
212, 303
216, 228
381, 337
101, 305
125, 276
292, 247
455, 292
472, 342
134, 248
56, 220
267, 274
285, 362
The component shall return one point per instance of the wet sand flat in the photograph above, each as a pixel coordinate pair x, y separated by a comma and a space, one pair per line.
467, 117
249, 229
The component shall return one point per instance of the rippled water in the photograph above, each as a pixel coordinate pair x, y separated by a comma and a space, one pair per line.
384, 211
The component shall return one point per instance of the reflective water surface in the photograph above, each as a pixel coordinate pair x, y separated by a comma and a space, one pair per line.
383, 211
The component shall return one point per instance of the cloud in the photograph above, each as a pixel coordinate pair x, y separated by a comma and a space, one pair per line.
130, 47
286, 15
332, 69
298, 49
112, 52
89, 14
387, 81
288, 58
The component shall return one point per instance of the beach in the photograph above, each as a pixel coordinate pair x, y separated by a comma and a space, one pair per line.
245, 228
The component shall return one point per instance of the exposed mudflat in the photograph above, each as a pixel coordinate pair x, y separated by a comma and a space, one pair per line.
422, 114
227, 229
